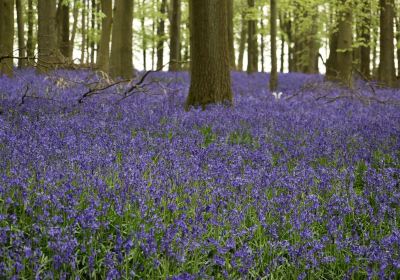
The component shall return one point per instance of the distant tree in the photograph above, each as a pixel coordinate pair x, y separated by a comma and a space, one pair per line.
30, 47
252, 46
273, 82
75, 15
121, 46
161, 35
175, 35
242, 42
21, 33
210, 66
83, 31
49, 55
6, 35
387, 70
103, 54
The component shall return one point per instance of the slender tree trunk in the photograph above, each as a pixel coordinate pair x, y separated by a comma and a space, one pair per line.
313, 46
103, 55
242, 44
262, 45
282, 53
21, 33
252, 48
93, 25
49, 55
144, 41
6, 35
175, 36
83, 42
30, 48
121, 48
365, 49
273, 82
387, 71
210, 67
161, 35
74, 28
153, 40
398, 44
87, 33
230, 34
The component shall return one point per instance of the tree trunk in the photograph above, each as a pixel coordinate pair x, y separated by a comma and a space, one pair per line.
340, 62
63, 28
103, 55
273, 82
144, 41
21, 33
210, 67
365, 37
6, 35
252, 48
161, 35
262, 45
175, 36
313, 46
83, 42
30, 48
121, 48
93, 25
398, 44
282, 53
74, 28
47, 35
230, 34
242, 44
387, 71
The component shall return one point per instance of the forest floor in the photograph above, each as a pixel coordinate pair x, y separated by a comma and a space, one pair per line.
131, 186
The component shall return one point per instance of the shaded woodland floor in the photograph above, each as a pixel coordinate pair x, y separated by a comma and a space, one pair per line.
128, 185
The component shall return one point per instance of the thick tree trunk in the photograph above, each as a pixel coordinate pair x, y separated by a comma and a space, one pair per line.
103, 55
340, 62
75, 13
161, 35
175, 36
21, 33
63, 28
210, 67
387, 71
313, 46
273, 81
252, 47
6, 35
242, 43
30, 48
230, 35
121, 48
49, 56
